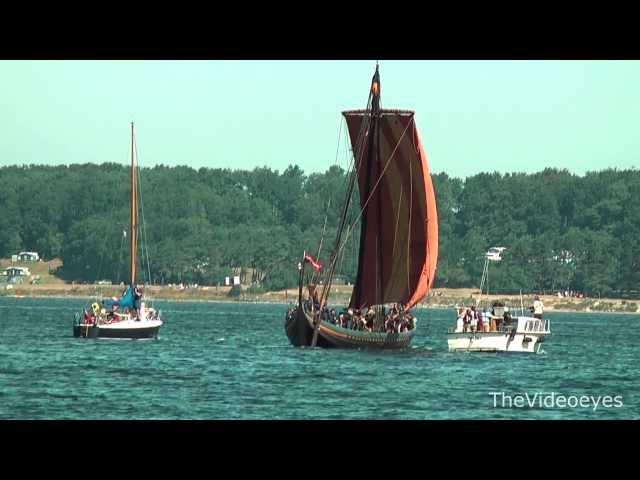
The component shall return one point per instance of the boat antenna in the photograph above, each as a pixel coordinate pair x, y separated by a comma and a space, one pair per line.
484, 280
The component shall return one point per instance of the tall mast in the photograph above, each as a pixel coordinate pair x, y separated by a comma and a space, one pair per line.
379, 171
373, 171
133, 232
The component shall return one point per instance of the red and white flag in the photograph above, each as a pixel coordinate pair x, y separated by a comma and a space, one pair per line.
314, 263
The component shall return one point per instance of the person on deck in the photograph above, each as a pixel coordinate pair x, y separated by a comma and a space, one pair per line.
467, 320
350, 319
369, 318
313, 296
394, 318
480, 318
486, 320
112, 316
507, 316
137, 297
474, 319
538, 307
497, 321
88, 319
461, 313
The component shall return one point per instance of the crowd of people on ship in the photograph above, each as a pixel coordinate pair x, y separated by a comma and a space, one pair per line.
395, 320
471, 319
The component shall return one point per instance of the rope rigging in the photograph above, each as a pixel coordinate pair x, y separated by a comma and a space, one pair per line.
362, 209
105, 238
352, 177
349, 218
145, 243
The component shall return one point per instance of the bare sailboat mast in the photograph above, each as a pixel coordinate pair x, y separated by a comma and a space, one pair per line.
133, 226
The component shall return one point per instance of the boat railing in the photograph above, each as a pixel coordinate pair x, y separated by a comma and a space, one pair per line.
502, 329
530, 326
506, 328
537, 326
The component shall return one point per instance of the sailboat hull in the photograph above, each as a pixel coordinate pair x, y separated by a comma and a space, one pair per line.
144, 330
299, 329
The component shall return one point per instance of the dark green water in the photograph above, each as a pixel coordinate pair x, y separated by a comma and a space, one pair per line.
233, 361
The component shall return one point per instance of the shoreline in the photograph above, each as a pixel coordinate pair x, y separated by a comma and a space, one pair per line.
437, 299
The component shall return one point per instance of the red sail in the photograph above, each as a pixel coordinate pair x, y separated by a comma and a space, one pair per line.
399, 236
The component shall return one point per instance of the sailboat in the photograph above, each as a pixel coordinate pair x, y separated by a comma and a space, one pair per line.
128, 317
398, 247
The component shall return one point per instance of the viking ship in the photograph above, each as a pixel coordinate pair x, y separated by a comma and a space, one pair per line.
398, 246
128, 317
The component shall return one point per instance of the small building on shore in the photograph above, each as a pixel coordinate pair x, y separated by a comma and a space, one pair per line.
16, 274
11, 272
28, 257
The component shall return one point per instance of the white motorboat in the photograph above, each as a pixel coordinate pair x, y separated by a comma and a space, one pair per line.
497, 331
521, 334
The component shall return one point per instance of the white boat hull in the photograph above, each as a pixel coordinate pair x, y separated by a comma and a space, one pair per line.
495, 342
528, 338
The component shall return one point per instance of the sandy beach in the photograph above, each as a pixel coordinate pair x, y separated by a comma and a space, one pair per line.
437, 298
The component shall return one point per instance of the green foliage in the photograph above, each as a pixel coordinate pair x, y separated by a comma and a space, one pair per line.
281, 277
562, 231
255, 290
235, 291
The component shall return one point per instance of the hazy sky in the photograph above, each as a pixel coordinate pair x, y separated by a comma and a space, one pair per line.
473, 116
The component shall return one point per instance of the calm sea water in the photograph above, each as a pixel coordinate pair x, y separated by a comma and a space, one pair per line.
233, 361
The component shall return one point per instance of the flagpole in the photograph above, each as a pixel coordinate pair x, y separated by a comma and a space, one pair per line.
316, 314
301, 276
316, 320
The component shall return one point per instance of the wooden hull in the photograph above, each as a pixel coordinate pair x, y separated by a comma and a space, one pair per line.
299, 329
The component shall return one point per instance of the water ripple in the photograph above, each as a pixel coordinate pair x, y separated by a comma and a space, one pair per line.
233, 361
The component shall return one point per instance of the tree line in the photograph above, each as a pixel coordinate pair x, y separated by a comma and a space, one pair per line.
561, 231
